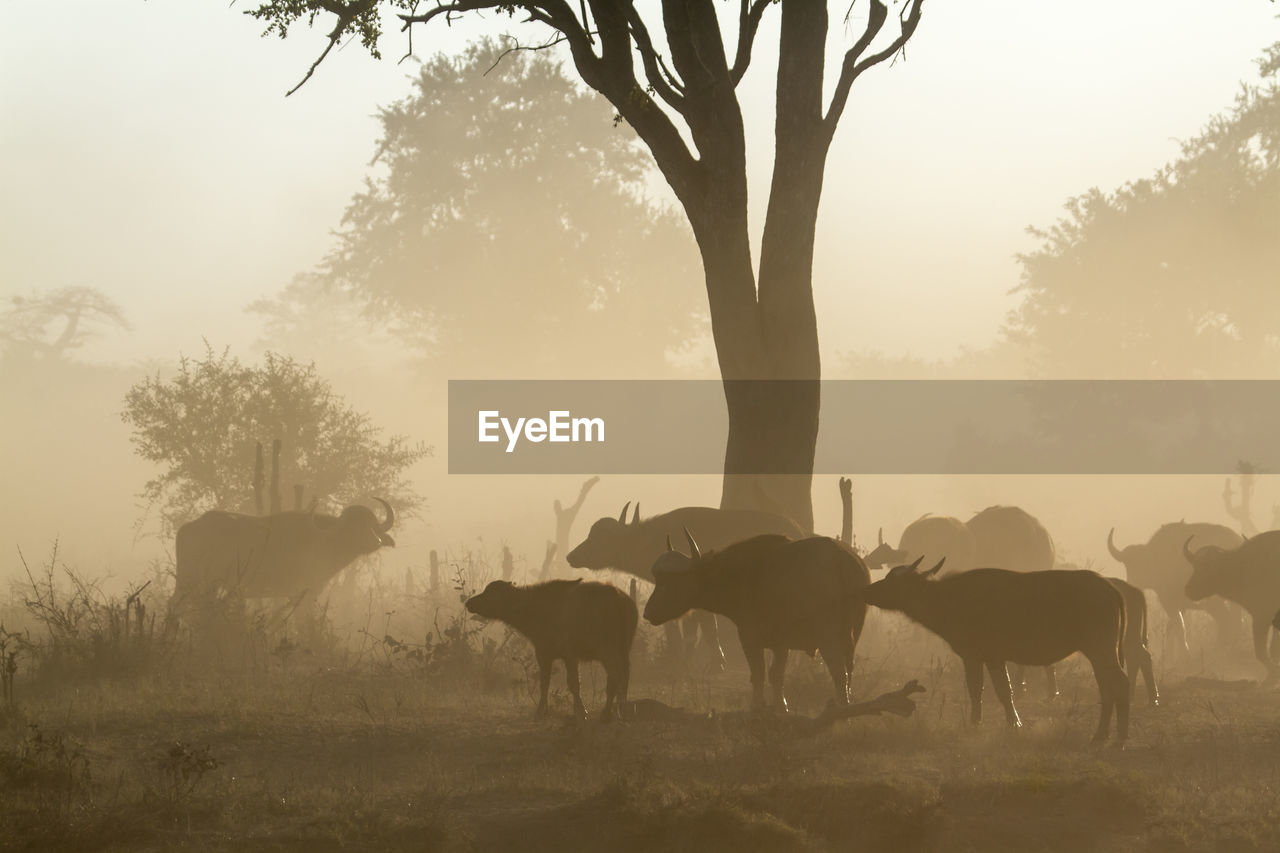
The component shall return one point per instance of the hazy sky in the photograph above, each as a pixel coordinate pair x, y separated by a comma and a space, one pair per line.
147, 149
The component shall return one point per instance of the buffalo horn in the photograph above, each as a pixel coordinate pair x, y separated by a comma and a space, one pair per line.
1186, 552
669, 548
880, 535
635, 516
935, 569
693, 546
622, 517
391, 516
1111, 546
915, 567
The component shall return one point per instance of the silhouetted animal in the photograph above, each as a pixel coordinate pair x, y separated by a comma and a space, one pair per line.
1137, 657
571, 621
281, 555
633, 547
1248, 575
1008, 537
1002, 537
1159, 565
993, 616
931, 538
780, 593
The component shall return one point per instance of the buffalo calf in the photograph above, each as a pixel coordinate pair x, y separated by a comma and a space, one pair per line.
571, 621
991, 617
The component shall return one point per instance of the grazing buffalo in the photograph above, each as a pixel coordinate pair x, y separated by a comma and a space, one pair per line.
781, 594
273, 556
1137, 657
571, 621
1248, 575
993, 616
633, 547
1159, 565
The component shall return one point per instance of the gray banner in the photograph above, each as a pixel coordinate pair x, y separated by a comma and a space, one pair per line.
872, 427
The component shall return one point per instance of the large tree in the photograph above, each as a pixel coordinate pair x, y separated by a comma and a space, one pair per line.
49, 326
509, 213
672, 73
1171, 276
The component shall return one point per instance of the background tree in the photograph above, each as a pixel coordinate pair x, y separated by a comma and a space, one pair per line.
508, 217
202, 427
1173, 276
682, 102
49, 326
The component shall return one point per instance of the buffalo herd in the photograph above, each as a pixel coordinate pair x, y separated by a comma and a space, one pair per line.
995, 593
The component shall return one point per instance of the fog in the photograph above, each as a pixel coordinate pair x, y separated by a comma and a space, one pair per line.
148, 153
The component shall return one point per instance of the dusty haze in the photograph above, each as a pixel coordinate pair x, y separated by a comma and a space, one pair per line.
148, 153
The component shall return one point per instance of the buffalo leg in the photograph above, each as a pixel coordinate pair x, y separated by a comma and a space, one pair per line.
1175, 630
675, 641
710, 637
1052, 675
1004, 690
1261, 641
544, 682
836, 660
777, 672
1113, 687
571, 675
1019, 678
689, 624
617, 674
1139, 660
973, 680
755, 661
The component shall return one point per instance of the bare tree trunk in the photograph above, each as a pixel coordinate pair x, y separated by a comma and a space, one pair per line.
846, 517
275, 476
259, 480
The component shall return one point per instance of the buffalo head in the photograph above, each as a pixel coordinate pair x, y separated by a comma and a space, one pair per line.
357, 528
609, 538
902, 586
883, 554
498, 601
676, 583
1206, 565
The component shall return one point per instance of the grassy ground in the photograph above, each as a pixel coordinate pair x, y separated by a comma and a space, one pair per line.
314, 758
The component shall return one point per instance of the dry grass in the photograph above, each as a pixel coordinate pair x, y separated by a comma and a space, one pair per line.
317, 759
412, 728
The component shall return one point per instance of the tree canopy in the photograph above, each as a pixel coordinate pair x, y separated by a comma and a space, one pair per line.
202, 425
1173, 275
49, 326
508, 216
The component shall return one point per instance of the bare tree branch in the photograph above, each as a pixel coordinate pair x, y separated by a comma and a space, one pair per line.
851, 68
668, 87
748, 24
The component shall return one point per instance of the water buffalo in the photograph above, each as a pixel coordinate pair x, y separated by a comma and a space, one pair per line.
1249, 575
571, 621
633, 547
1008, 537
273, 556
931, 538
1159, 565
781, 594
993, 616
1003, 537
